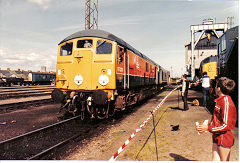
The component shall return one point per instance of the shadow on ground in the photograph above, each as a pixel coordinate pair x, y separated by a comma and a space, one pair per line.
177, 108
179, 158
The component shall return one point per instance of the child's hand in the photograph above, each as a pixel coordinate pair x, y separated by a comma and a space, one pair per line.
202, 128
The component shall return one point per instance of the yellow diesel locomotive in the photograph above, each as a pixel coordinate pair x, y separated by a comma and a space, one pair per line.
98, 73
209, 65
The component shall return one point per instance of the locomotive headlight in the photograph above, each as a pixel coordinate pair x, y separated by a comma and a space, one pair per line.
78, 79
103, 80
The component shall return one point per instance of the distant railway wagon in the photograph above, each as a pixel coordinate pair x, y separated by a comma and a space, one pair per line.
32, 78
41, 78
98, 73
209, 65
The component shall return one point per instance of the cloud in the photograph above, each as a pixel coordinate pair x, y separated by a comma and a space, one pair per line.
42, 3
28, 59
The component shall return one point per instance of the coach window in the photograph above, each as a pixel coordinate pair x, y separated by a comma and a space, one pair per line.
66, 49
147, 67
103, 47
84, 43
223, 43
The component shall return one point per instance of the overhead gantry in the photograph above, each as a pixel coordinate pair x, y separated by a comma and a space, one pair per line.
207, 27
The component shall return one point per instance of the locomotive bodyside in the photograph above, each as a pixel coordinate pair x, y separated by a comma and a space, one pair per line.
228, 58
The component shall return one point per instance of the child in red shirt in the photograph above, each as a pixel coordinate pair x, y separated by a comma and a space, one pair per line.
223, 120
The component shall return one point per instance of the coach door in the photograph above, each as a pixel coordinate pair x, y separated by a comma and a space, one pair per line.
121, 68
157, 75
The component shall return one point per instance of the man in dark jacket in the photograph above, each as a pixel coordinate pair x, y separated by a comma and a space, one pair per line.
185, 85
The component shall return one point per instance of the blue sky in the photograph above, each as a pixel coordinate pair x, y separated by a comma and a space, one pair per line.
30, 30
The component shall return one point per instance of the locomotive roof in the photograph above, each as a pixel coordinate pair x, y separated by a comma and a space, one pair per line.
105, 35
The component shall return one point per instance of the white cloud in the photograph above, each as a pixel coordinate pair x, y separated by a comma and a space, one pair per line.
42, 3
2, 53
28, 59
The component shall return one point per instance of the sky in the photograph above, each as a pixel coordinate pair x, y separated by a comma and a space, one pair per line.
30, 30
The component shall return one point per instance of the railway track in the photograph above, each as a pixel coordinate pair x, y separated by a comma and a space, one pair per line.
33, 86
20, 94
12, 104
12, 98
38, 143
25, 89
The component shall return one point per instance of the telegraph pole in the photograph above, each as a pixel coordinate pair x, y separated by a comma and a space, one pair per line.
91, 14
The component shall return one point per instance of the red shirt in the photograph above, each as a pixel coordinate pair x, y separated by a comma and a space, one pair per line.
224, 115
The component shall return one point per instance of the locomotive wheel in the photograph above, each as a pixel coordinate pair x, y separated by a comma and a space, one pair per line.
102, 111
90, 110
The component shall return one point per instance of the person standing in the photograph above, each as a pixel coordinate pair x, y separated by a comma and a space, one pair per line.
185, 86
205, 88
223, 120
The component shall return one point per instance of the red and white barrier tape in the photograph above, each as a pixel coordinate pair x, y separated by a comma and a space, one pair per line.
114, 157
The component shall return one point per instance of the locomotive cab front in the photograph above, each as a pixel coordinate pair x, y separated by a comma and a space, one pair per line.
86, 66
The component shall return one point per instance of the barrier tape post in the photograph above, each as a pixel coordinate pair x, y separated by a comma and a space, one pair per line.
155, 135
115, 156
178, 97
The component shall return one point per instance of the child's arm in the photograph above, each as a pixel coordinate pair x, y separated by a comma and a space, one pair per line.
227, 115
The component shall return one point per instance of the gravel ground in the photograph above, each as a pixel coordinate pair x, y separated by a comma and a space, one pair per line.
25, 120
182, 145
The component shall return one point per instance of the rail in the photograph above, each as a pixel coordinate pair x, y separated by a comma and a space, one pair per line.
13, 148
